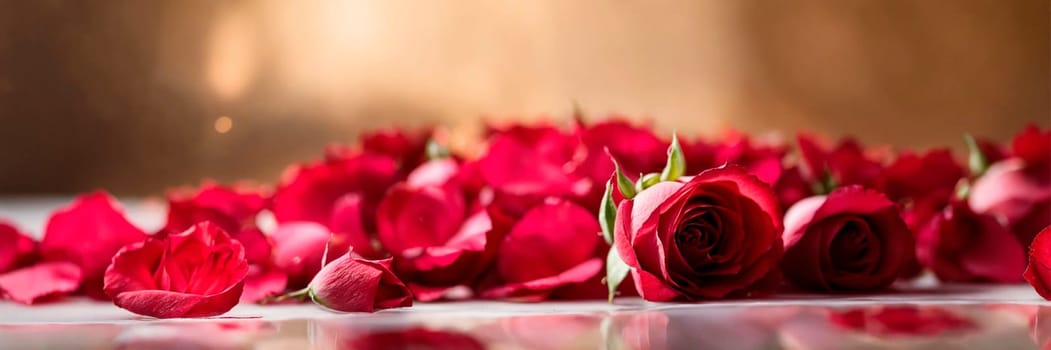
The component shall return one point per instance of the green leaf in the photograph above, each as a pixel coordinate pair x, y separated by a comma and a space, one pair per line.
647, 181
627, 189
435, 150
616, 271
676, 165
977, 163
607, 213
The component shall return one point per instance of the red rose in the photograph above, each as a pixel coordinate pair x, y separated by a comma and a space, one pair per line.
87, 233
792, 187
851, 240
1038, 273
714, 236
350, 284
341, 193
233, 209
847, 162
16, 248
552, 249
196, 273
438, 240
959, 245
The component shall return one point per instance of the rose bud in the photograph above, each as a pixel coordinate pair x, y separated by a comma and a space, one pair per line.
438, 241
525, 267
1038, 273
959, 245
341, 192
851, 240
1018, 194
350, 284
16, 248
87, 233
196, 273
714, 236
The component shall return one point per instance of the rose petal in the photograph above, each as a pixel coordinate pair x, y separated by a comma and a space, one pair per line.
262, 283
16, 249
87, 233
547, 241
31, 284
299, 248
167, 304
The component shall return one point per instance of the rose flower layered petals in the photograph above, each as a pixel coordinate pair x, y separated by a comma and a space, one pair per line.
424, 223
851, 240
87, 233
1038, 272
16, 248
960, 245
31, 284
196, 273
554, 246
715, 236
351, 284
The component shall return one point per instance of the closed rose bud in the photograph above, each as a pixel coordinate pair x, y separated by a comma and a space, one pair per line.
350, 284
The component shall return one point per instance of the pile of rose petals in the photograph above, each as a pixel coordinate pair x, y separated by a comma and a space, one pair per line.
541, 212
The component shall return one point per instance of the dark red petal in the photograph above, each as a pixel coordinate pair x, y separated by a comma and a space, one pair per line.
33, 283
87, 233
1033, 145
167, 304
748, 186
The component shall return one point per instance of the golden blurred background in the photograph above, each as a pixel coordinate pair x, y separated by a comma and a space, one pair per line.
136, 96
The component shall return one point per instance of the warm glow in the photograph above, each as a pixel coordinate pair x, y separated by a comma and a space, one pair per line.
231, 60
223, 124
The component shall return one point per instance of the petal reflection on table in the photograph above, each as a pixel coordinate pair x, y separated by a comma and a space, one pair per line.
651, 326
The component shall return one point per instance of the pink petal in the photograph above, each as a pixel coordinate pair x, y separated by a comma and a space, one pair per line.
39, 281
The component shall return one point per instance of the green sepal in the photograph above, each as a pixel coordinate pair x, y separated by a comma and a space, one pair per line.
607, 213
647, 181
616, 271
436, 150
977, 163
627, 188
676, 165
